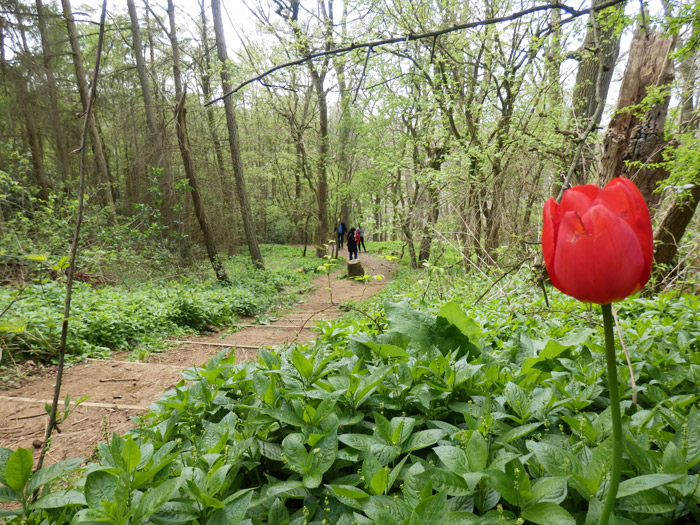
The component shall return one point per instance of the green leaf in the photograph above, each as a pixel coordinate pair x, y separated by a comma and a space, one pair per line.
18, 469
313, 479
155, 498
348, 491
7, 494
547, 513
384, 428
651, 501
386, 351
304, 365
5, 454
217, 479
59, 499
673, 461
504, 485
463, 517
100, 486
454, 459
419, 326
379, 481
295, 451
477, 452
361, 442
324, 409
454, 313
431, 511
645, 482
348, 495
234, 511
175, 512
412, 483
517, 432
52, 472
285, 416
402, 429
446, 481
131, 454
552, 489
424, 438
278, 513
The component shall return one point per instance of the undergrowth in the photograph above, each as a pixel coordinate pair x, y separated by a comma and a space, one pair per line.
127, 316
437, 406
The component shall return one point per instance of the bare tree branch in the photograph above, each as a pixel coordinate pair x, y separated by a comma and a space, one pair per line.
410, 37
51, 425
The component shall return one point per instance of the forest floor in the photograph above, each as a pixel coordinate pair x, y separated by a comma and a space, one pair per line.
119, 390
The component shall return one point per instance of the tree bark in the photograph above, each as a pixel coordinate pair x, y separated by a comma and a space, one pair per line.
61, 151
104, 184
184, 144
633, 147
669, 232
672, 227
153, 128
226, 185
246, 215
599, 52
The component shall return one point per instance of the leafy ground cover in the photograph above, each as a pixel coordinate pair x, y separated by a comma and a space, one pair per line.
123, 317
431, 407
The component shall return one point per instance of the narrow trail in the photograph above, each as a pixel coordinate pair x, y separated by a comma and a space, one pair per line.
119, 390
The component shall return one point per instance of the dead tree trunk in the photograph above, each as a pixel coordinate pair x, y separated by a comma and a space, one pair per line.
633, 146
184, 144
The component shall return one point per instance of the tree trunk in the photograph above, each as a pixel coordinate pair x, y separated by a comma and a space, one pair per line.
104, 184
355, 268
633, 147
61, 152
599, 52
672, 227
226, 184
669, 232
184, 144
246, 215
153, 128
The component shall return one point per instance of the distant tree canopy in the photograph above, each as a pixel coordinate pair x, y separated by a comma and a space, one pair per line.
428, 122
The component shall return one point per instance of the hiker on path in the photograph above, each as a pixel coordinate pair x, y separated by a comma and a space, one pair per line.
341, 230
353, 237
361, 243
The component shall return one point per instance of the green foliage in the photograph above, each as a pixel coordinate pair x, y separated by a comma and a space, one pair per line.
443, 414
120, 317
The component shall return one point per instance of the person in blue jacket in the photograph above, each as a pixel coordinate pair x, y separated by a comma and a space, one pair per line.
341, 231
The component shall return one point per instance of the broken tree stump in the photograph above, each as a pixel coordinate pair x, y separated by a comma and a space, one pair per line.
355, 268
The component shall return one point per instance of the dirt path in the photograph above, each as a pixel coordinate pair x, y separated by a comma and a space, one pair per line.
118, 389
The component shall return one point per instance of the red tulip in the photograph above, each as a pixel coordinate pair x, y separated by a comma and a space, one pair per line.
598, 244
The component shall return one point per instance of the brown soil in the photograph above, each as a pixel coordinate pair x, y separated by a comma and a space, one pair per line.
118, 390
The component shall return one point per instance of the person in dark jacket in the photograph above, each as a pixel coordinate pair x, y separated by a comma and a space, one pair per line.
361, 244
341, 230
352, 243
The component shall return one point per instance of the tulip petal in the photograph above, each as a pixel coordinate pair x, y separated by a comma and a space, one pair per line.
598, 257
550, 230
579, 198
623, 198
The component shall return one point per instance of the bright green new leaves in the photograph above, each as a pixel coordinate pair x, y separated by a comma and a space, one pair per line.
19, 483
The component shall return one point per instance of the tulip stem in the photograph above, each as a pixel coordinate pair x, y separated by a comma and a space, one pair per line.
613, 394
